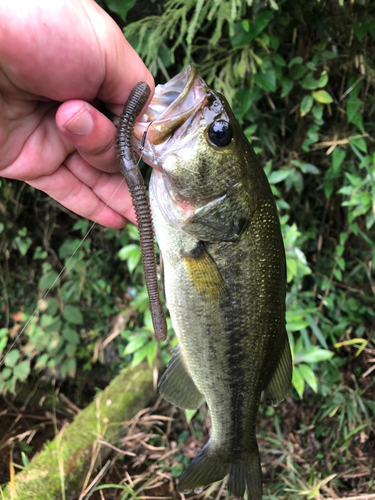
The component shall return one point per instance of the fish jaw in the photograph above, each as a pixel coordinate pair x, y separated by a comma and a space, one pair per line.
197, 181
171, 116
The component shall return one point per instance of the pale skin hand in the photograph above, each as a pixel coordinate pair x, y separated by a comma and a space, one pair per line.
69, 52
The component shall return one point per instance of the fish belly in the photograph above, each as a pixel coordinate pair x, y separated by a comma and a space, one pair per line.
230, 327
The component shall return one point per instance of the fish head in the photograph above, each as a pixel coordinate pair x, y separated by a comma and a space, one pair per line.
201, 159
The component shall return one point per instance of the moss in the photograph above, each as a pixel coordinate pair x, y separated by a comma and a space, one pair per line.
64, 462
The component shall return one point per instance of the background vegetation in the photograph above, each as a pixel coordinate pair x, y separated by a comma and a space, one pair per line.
301, 79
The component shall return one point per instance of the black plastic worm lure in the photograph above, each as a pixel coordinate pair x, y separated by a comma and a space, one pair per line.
133, 177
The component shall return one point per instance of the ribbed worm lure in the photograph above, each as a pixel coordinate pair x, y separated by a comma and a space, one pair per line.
133, 177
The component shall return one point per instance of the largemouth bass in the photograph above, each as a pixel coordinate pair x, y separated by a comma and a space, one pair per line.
223, 275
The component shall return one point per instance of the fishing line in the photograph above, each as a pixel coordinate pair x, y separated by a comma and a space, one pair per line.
67, 264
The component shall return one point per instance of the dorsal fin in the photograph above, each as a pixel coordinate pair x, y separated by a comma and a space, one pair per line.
281, 379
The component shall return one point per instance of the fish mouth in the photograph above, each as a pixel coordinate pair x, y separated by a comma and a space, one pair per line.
173, 114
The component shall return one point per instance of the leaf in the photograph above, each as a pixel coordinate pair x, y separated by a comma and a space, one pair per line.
309, 82
291, 268
298, 381
121, 7
81, 225
260, 23
152, 351
132, 254
3, 343
127, 251
133, 261
338, 156
246, 25
70, 349
68, 367
329, 54
68, 248
25, 459
287, 86
132, 231
306, 104
135, 344
360, 143
42, 362
322, 96
5, 373
295, 60
297, 72
341, 263
309, 376
46, 320
39, 253
267, 80
11, 358
240, 37
73, 315
314, 355
356, 430
360, 28
245, 34
189, 414
278, 59
140, 355
323, 79
318, 113
309, 168
22, 242
296, 326
318, 334
278, 176
47, 280
352, 106
70, 335
52, 306
337, 274
22, 370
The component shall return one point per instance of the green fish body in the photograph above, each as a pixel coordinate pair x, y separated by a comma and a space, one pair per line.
223, 272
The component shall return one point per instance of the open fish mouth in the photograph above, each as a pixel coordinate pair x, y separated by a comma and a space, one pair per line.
172, 115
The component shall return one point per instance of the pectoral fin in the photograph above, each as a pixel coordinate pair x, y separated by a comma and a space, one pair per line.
279, 385
176, 385
204, 274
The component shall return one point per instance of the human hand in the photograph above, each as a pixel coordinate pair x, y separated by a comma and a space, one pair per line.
69, 52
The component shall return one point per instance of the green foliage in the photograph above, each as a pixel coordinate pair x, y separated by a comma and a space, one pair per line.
301, 82
75, 292
308, 122
119, 7
142, 345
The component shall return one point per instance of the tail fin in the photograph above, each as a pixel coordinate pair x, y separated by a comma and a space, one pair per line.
246, 474
211, 465
206, 468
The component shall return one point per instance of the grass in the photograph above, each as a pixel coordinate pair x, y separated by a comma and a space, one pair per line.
320, 448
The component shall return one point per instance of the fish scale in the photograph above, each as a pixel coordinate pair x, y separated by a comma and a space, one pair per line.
224, 281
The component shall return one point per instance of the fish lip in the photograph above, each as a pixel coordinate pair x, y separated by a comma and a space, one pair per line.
170, 115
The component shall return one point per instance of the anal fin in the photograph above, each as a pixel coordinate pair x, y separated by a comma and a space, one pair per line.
176, 385
279, 385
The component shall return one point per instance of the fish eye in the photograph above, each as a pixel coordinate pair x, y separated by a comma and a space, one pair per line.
220, 133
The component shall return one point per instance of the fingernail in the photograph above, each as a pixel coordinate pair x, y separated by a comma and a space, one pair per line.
81, 124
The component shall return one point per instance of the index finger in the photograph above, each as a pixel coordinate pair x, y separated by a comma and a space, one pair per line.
123, 66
